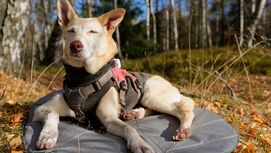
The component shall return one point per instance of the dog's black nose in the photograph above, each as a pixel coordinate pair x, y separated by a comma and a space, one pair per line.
76, 46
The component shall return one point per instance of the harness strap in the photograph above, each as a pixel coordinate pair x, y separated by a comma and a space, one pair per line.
97, 85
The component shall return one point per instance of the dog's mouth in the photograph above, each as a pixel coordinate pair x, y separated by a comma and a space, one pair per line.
78, 55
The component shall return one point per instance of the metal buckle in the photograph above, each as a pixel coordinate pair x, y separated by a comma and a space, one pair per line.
97, 86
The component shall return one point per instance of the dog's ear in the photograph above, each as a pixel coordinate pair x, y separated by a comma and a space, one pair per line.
65, 12
112, 18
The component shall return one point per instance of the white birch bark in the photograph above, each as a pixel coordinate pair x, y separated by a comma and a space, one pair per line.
253, 6
241, 39
255, 22
204, 24
167, 29
148, 19
90, 4
153, 23
14, 29
175, 27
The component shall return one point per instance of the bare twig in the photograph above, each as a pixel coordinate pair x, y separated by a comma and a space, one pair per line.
3, 93
233, 95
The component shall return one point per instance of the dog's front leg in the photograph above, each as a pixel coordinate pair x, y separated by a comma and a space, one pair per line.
108, 111
49, 114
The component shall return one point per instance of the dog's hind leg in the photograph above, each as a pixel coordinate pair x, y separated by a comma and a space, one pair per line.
49, 114
108, 112
161, 96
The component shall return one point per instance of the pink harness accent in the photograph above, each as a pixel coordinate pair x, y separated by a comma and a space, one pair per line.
120, 74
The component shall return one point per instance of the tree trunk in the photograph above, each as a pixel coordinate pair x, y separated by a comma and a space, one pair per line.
15, 23
117, 32
241, 40
209, 33
253, 6
148, 19
167, 29
222, 28
153, 23
217, 22
204, 24
90, 4
175, 27
255, 22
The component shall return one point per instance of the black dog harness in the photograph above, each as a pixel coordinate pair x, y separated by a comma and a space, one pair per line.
83, 91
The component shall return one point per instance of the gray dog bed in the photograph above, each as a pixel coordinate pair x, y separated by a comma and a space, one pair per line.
210, 134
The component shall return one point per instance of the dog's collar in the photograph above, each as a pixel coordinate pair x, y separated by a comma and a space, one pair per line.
79, 77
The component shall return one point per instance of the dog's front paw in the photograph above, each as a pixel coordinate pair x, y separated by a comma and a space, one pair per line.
47, 139
181, 134
134, 114
140, 147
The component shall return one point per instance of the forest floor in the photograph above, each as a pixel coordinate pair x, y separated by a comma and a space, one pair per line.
243, 100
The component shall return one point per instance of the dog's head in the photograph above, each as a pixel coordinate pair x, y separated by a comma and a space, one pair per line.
88, 41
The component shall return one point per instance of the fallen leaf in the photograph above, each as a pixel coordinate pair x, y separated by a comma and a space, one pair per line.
16, 151
260, 120
240, 111
15, 142
251, 148
17, 117
252, 131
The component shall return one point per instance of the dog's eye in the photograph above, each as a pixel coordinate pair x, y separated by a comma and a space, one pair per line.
92, 31
71, 31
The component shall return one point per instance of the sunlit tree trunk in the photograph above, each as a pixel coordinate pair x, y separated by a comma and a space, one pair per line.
117, 32
14, 27
175, 27
253, 6
255, 22
90, 4
241, 39
154, 29
148, 19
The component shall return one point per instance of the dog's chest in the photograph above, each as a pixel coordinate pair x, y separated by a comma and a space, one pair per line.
84, 103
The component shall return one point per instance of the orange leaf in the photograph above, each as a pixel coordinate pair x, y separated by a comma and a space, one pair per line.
250, 148
240, 111
17, 117
16, 151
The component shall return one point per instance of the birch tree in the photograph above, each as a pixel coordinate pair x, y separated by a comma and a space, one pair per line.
204, 24
175, 27
167, 29
90, 4
153, 22
14, 28
148, 19
117, 32
253, 6
241, 39
255, 22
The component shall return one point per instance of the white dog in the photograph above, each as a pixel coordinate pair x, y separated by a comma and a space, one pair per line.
89, 47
